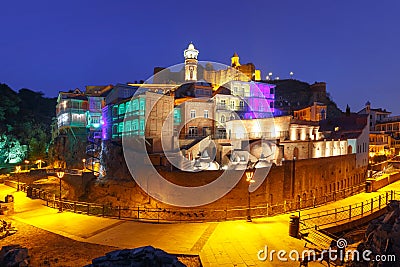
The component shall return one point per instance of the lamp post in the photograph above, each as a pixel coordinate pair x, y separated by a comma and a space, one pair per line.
39, 162
60, 175
26, 164
17, 170
249, 179
293, 176
84, 164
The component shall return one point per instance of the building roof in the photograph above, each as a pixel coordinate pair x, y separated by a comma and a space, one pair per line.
354, 122
378, 110
389, 120
72, 95
303, 122
188, 89
347, 126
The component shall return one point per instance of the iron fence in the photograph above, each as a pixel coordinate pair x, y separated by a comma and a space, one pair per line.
142, 213
347, 213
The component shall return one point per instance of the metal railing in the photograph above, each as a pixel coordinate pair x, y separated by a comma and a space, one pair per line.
142, 213
347, 213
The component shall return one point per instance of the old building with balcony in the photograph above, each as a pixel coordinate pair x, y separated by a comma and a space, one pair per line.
375, 115
78, 123
315, 112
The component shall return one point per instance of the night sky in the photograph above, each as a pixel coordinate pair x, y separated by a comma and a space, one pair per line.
53, 46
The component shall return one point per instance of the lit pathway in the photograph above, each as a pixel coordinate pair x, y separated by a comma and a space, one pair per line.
232, 243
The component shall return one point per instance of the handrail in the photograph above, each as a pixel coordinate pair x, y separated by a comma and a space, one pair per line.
142, 213
348, 213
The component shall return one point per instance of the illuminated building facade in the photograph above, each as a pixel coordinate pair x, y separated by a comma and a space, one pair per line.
380, 144
77, 131
71, 109
388, 127
110, 112
315, 112
226, 108
375, 115
195, 72
305, 139
190, 55
81, 109
243, 100
351, 127
198, 115
144, 115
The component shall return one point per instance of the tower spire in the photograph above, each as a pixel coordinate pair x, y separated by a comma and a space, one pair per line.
190, 55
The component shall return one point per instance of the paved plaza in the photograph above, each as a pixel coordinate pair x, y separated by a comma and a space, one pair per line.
230, 243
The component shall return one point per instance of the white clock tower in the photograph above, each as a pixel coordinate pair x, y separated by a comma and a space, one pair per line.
191, 63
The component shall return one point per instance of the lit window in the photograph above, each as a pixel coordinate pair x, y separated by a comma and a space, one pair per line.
192, 131
141, 104
128, 107
135, 105
121, 109
120, 127
95, 119
128, 127
141, 124
135, 125
177, 116
223, 119
247, 91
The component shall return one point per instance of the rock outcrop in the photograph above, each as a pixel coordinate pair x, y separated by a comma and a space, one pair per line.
138, 257
14, 255
382, 238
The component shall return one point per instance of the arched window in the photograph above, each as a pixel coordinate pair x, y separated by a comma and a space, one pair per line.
223, 119
296, 153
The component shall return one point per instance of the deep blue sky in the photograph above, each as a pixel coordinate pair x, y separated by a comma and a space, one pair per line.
59, 45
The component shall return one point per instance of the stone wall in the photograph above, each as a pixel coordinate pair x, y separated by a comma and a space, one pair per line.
79, 184
382, 182
293, 180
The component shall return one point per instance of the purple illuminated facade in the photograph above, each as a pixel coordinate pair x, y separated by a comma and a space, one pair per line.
258, 97
261, 100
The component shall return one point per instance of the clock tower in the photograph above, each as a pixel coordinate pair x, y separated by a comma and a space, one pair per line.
191, 63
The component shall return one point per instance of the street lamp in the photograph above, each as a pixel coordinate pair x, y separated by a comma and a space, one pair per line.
26, 164
293, 176
84, 165
60, 175
18, 170
249, 179
39, 162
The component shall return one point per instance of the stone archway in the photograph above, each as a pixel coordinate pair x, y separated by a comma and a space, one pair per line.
296, 153
349, 149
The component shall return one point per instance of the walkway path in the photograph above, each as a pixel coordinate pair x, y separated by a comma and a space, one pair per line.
231, 243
